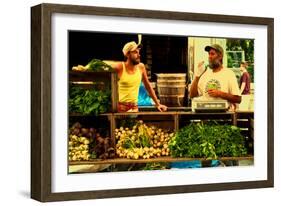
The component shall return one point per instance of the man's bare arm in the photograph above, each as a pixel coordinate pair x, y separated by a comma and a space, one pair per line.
229, 97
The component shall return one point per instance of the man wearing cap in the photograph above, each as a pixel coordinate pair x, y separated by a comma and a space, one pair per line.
131, 73
216, 82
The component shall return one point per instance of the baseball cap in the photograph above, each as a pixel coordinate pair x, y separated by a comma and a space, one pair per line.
130, 46
216, 47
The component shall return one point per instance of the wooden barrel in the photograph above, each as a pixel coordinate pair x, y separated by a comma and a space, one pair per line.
171, 88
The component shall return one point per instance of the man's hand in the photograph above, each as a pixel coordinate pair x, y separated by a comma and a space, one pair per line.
215, 93
200, 69
162, 108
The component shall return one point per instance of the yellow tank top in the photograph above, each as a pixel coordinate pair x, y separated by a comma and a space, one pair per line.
128, 86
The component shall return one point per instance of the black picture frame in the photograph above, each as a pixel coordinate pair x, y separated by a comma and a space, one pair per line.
41, 96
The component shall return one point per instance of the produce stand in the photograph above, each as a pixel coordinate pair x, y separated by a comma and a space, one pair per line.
173, 119
101, 77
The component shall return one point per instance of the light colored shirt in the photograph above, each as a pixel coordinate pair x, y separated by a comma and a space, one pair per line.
224, 80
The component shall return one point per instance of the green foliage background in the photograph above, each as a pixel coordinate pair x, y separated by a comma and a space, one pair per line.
246, 45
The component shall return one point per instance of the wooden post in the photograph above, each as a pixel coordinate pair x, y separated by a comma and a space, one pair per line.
114, 91
112, 120
234, 118
176, 122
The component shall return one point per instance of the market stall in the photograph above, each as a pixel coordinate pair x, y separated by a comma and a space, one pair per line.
102, 136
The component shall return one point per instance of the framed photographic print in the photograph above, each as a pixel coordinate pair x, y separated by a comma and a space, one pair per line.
115, 112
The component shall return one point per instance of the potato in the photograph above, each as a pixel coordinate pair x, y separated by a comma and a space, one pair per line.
136, 156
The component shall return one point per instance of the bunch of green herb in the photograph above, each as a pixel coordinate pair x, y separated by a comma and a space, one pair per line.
98, 65
89, 101
209, 140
